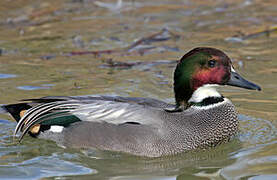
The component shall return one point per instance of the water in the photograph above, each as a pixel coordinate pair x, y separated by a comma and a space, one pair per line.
4, 76
36, 39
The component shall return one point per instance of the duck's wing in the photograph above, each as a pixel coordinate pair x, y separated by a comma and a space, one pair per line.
131, 100
113, 109
63, 111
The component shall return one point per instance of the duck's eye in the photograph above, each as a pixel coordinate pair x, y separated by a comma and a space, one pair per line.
211, 63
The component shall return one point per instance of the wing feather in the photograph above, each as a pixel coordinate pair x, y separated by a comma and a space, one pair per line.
115, 110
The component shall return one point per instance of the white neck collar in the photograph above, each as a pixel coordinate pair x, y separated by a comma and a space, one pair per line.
203, 92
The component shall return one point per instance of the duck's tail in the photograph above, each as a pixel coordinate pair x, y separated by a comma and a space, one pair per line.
39, 115
15, 110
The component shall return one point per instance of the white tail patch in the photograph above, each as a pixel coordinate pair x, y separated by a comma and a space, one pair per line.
204, 92
56, 129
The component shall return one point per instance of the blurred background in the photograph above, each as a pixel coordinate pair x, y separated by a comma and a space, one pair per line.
130, 48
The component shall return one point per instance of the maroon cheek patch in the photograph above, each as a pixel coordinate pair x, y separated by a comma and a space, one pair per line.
201, 78
217, 75
209, 76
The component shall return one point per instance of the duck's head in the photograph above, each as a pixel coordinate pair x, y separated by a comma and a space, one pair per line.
205, 67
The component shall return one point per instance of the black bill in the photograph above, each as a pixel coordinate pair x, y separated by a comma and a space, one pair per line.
238, 81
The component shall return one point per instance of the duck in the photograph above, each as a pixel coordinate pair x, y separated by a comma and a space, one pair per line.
201, 117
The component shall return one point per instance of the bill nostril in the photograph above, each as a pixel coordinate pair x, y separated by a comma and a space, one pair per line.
236, 77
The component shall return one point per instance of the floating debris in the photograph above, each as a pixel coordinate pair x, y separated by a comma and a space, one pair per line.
163, 35
140, 46
18, 19
76, 86
78, 41
241, 36
43, 38
110, 63
47, 57
114, 38
266, 33
95, 53
233, 39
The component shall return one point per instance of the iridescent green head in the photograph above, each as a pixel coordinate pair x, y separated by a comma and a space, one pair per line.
202, 66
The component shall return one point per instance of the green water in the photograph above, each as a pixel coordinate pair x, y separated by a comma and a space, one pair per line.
36, 37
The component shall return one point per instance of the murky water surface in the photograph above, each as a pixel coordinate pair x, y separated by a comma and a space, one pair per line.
42, 45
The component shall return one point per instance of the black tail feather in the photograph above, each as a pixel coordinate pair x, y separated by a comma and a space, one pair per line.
15, 109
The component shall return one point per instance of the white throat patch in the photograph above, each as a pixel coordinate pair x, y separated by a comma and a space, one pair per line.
203, 92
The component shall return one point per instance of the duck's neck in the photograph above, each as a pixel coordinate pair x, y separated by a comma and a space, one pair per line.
205, 95
202, 97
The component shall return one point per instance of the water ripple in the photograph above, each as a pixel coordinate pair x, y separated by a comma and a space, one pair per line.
5, 76
42, 166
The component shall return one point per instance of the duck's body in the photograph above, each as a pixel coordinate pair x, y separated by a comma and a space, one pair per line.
142, 126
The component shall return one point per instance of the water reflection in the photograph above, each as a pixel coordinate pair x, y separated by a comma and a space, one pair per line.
5, 76
30, 88
120, 165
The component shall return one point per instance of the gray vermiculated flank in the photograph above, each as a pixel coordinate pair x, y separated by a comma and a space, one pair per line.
159, 132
